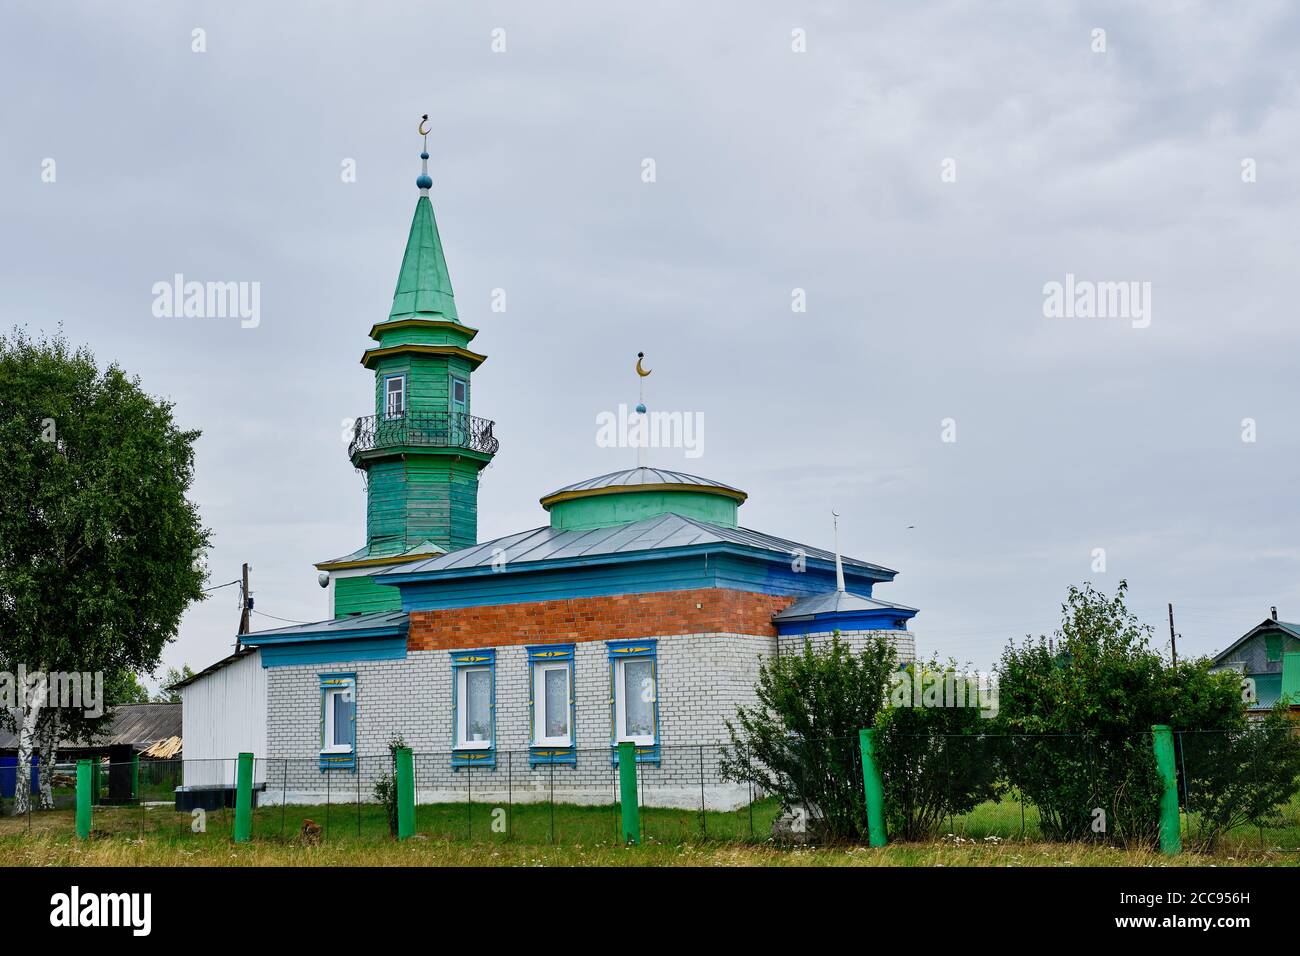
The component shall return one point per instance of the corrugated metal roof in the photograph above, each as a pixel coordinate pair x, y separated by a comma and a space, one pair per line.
659, 531
631, 477
835, 602
338, 625
139, 725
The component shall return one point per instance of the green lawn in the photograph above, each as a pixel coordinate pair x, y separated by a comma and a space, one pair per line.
995, 834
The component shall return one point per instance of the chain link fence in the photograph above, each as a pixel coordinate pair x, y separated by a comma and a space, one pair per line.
986, 789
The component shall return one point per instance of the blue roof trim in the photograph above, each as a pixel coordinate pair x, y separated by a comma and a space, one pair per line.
334, 652
669, 571
881, 620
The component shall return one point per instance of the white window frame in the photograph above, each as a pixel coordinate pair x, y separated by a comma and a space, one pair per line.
330, 746
389, 392
620, 703
539, 704
462, 710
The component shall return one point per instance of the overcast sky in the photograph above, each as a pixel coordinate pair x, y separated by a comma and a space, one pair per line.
775, 170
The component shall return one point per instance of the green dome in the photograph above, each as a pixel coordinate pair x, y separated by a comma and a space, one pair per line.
622, 497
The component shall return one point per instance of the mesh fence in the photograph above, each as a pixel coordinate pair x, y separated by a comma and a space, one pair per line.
955, 789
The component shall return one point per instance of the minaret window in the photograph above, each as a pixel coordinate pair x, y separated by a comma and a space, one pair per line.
395, 396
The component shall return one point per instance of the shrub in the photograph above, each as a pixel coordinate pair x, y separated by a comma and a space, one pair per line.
935, 762
800, 741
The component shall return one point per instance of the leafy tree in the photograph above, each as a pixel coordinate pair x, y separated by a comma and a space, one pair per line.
99, 546
935, 761
166, 695
125, 688
1086, 707
800, 741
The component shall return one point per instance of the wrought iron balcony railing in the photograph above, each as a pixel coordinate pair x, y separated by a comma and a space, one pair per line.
432, 430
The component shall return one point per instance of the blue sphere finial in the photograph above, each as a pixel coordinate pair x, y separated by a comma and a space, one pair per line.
423, 181
640, 408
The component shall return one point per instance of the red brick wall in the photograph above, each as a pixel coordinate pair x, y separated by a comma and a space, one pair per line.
619, 617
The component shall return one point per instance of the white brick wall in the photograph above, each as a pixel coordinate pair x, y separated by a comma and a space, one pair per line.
702, 679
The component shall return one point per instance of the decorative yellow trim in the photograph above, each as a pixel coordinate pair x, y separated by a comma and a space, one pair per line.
560, 496
422, 324
371, 356
376, 562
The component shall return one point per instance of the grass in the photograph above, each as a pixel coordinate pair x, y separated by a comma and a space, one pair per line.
567, 835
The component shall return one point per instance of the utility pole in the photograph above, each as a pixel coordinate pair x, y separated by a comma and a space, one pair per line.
245, 606
1173, 638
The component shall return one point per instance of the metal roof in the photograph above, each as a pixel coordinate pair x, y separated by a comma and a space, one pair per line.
339, 625
632, 477
654, 533
835, 602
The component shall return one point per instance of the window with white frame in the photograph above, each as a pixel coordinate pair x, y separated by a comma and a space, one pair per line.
338, 702
634, 700
395, 396
474, 707
552, 718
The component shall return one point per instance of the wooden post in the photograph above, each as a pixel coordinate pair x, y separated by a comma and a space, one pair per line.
1171, 836
405, 793
84, 772
872, 788
627, 793
244, 799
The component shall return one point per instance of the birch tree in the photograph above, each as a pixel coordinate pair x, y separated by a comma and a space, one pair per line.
99, 545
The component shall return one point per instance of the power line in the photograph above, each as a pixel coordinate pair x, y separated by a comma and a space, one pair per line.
285, 619
218, 587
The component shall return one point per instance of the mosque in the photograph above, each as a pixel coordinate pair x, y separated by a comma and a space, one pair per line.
639, 611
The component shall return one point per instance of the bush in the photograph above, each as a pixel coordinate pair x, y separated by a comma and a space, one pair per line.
1241, 776
800, 742
1088, 704
935, 762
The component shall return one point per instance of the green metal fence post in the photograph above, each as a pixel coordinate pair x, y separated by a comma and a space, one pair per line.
84, 772
872, 788
627, 793
244, 799
1171, 837
405, 793
135, 776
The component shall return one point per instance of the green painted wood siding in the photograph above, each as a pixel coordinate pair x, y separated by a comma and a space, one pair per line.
424, 497
361, 595
428, 381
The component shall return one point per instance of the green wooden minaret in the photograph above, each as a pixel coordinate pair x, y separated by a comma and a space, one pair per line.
422, 449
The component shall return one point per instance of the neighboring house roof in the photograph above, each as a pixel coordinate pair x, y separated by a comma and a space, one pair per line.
139, 725
1223, 657
835, 602
656, 533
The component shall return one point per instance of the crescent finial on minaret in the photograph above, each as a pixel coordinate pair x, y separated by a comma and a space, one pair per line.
424, 181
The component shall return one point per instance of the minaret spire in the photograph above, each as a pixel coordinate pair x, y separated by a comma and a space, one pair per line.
839, 563
643, 444
425, 182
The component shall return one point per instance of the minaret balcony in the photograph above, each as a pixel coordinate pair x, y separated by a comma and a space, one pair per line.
378, 433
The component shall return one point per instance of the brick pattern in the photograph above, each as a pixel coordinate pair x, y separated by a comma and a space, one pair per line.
621, 616
702, 679
904, 642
